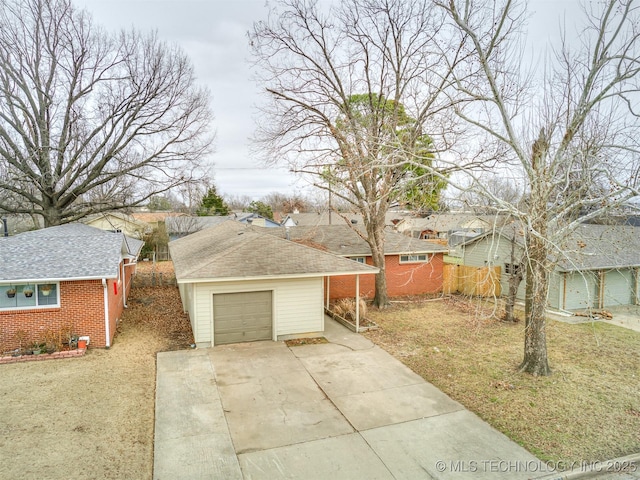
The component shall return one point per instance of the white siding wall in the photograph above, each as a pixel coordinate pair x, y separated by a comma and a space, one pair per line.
186, 295
297, 305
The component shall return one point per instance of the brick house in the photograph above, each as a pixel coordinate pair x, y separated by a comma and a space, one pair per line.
412, 266
70, 277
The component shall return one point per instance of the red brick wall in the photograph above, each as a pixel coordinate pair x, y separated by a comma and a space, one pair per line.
402, 279
81, 307
116, 298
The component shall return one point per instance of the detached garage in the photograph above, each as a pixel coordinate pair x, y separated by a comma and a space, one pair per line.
239, 285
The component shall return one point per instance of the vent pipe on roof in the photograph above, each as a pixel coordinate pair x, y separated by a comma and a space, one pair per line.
354, 221
6, 228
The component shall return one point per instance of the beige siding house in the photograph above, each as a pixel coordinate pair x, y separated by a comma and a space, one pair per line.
118, 222
239, 285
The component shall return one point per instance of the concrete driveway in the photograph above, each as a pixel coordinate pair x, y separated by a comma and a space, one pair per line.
341, 410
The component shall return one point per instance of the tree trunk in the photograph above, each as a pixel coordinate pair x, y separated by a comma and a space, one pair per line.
51, 216
375, 239
535, 339
509, 307
381, 298
515, 277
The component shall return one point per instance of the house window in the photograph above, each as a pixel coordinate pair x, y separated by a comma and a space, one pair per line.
512, 269
358, 259
28, 295
419, 258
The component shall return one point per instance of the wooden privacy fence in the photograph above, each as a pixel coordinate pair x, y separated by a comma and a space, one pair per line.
475, 281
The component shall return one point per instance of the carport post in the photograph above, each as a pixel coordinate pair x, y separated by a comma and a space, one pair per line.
357, 303
328, 284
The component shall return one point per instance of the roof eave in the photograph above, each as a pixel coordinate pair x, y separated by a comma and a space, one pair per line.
56, 279
373, 271
589, 269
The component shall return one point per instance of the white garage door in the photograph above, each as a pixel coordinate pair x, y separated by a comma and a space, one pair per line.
242, 317
618, 288
581, 291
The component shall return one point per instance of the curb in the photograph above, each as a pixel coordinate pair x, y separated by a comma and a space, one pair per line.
629, 463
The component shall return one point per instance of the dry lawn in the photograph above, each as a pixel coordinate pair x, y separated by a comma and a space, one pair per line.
589, 409
92, 417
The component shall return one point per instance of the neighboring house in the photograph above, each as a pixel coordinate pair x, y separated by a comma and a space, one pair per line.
119, 222
239, 285
79, 277
412, 266
598, 269
453, 227
178, 227
255, 219
332, 218
155, 219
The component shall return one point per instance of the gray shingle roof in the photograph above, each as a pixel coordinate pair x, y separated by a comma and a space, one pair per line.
445, 222
589, 247
344, 241
596, 247
184, 225
310, 219
65, 252
233, 250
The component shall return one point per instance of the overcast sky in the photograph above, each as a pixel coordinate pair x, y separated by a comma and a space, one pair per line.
213, 33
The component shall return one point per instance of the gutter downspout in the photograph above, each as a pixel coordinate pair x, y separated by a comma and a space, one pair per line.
106, 313
124, 282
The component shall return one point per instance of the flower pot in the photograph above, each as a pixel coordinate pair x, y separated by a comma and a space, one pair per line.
11, 293
28, 293
82, 344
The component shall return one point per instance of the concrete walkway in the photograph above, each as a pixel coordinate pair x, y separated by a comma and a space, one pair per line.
341, 410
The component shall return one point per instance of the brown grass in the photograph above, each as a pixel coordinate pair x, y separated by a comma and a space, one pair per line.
296, 342
92, 417
587, 410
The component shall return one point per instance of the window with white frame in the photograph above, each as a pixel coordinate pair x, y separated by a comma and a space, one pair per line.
29, 295
358, 259
417, 258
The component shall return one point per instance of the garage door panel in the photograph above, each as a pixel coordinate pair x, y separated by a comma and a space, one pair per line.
242, 317
581, 291
618, 288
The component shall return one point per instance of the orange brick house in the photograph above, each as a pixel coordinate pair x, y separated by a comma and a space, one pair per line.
412, 266
70, 277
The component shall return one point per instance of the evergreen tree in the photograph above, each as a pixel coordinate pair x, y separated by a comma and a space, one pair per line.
212, 204
261, 209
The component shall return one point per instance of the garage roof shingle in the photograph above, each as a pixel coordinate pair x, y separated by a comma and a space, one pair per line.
343, 240
233, 250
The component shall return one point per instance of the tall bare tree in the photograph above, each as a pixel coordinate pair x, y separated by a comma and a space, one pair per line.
91, 121
569, 130
355, 90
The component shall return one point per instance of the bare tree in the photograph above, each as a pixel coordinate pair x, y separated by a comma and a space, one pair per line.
91, 121
508, 190
284, 203
237, 202
569, 130
357, 101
